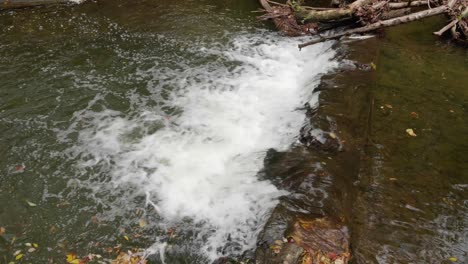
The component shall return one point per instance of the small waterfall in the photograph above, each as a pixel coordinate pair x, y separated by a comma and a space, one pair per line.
194, 145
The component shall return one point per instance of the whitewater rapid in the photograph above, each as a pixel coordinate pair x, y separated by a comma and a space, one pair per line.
193, 144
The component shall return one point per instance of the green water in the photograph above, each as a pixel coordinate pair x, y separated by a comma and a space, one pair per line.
409, 201
412, 191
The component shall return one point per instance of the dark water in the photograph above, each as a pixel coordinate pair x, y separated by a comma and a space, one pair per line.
82, 93
412, 192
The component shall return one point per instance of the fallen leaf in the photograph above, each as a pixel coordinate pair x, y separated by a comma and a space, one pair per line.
393, 179
373, 66
410, 132
126, 238
11, 262
28, 244
31, 204
142, 223
31, 250
71, 257
332, 135
35, 245
2, 230
453, 259
94, 220
414, 115
18, 257
388, 106
20, 168
17, 252
451, 111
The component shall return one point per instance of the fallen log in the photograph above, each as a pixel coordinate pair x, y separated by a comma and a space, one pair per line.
294, 19
305, 15
407, 4
381, 24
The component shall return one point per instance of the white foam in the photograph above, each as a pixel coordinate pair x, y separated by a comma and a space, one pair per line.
202, 163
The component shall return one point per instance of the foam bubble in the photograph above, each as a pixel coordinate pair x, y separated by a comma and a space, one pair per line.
195, 155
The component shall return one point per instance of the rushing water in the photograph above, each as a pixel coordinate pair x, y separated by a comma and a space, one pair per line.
174, 118
143, 126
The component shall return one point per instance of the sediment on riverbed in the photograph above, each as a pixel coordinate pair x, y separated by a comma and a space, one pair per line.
9, 4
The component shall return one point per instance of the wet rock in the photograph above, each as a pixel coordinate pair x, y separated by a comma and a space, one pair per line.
324, 241
309, 240
319, 140
286, 253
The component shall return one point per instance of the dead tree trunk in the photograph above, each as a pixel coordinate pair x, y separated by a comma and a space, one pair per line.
291, 17
381, 24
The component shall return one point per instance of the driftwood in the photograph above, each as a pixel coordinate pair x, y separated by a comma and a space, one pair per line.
295, 19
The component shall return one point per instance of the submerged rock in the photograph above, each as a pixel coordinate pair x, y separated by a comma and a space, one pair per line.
305, 240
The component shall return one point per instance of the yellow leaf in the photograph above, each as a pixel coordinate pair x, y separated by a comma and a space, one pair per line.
2, 230
31, 204
453, 259
126, 238
373, 66
410, 132
35, 245
142, 223
18, 257
71, 257
75, 261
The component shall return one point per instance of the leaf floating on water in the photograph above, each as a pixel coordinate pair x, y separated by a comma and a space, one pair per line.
410, 132
414, 115
453, 259
71, 258
31, 203
20, 168
142, 223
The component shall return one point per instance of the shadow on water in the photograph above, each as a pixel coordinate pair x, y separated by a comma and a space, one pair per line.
404, 199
